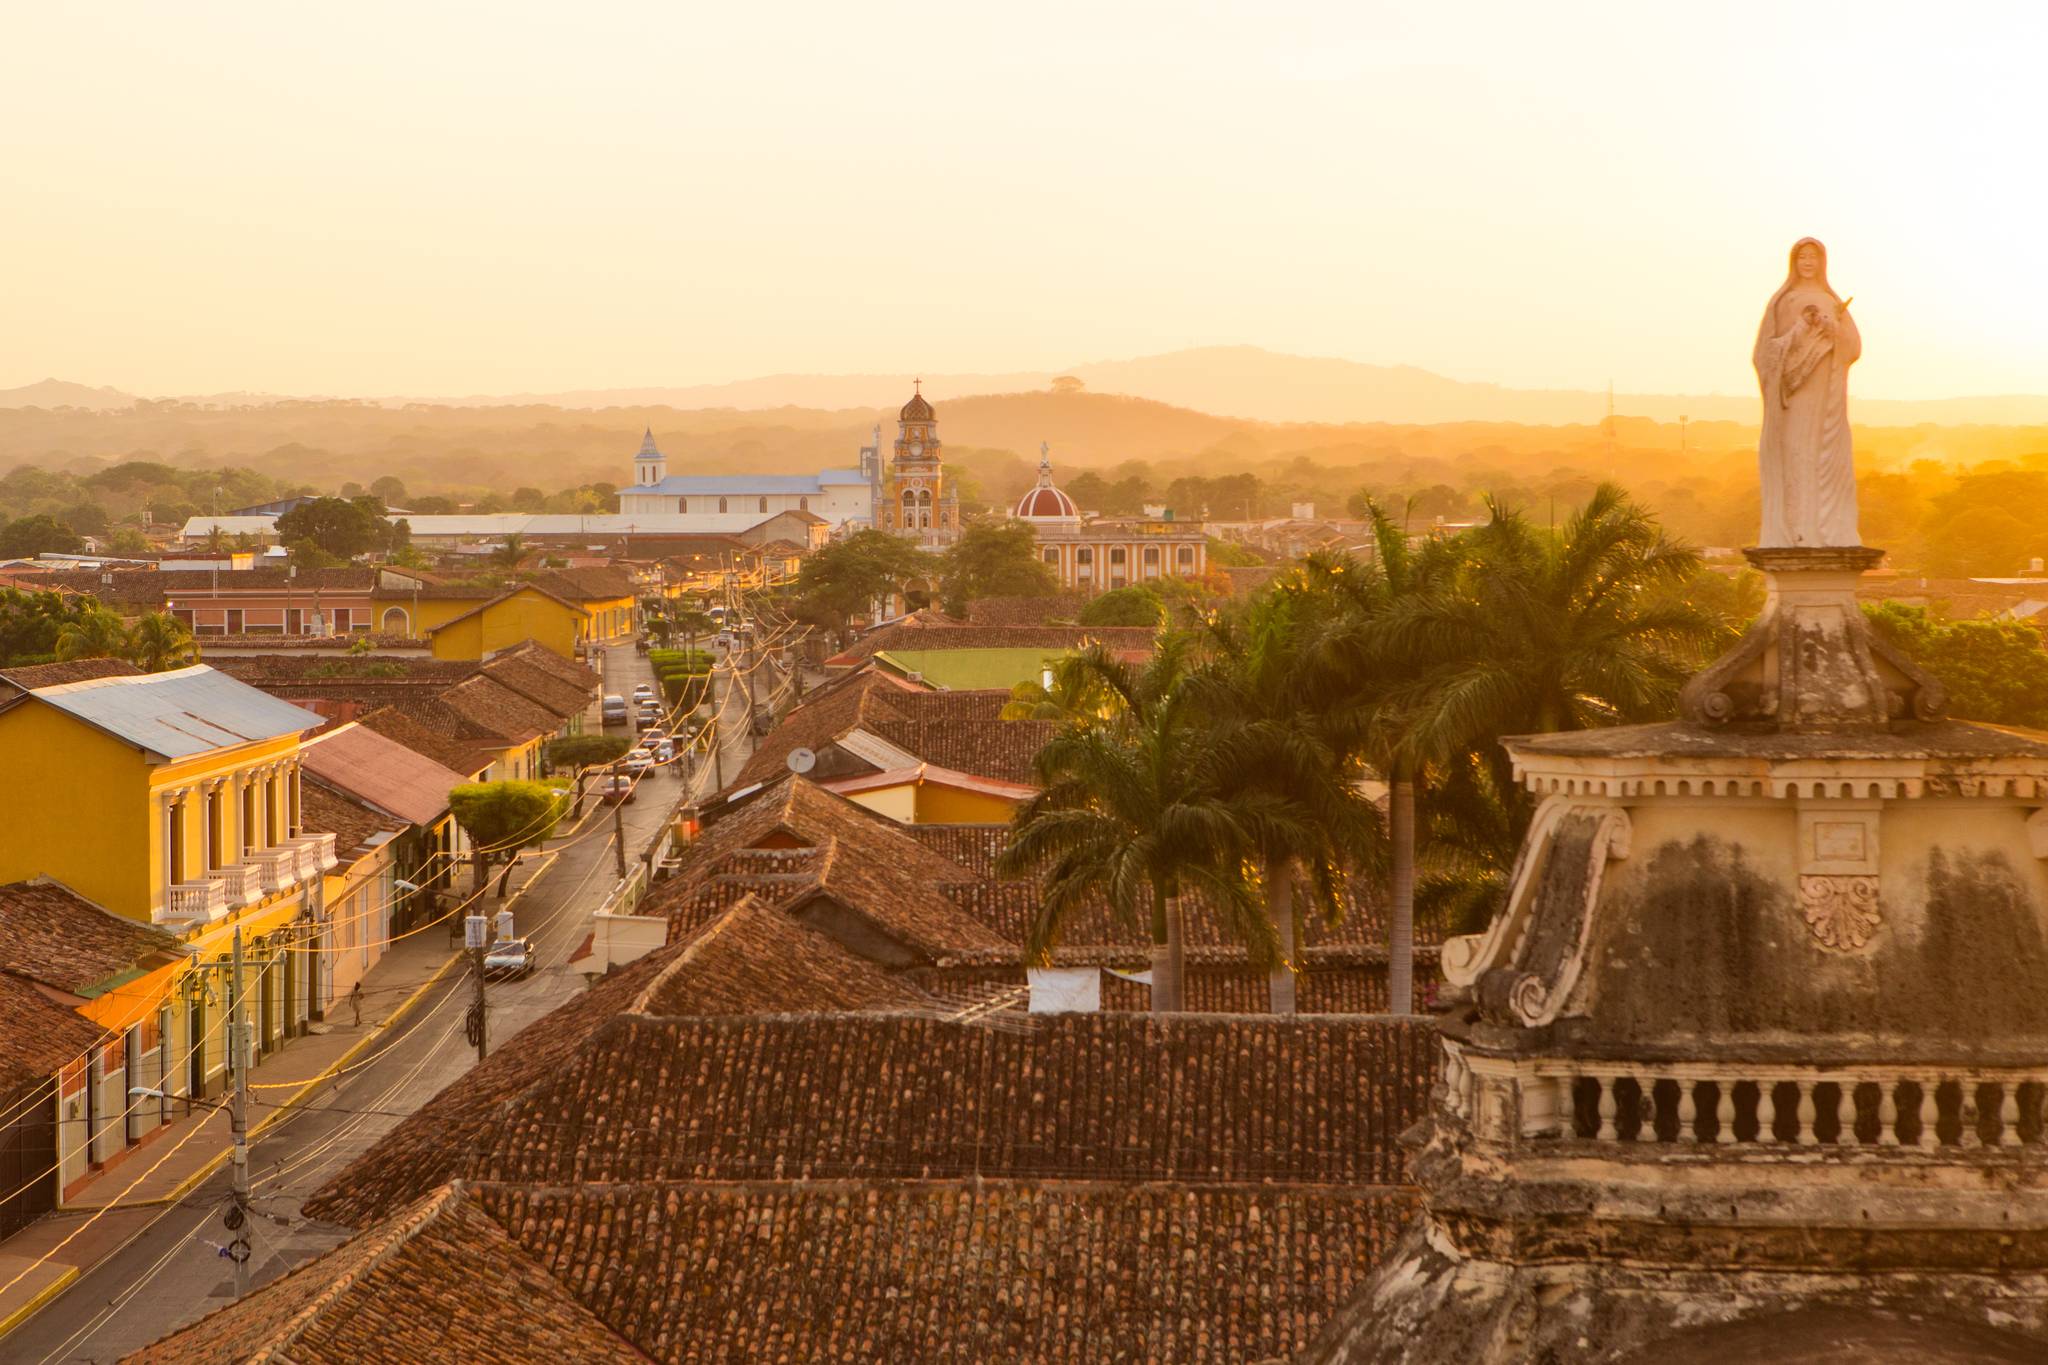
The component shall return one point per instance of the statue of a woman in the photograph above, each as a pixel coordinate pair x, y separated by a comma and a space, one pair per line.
1803, 352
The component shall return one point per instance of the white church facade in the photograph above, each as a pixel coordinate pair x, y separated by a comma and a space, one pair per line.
843, 497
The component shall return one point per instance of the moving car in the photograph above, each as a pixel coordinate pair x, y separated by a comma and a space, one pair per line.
643, 692
612, 710
637, 762
510, 957
616, 790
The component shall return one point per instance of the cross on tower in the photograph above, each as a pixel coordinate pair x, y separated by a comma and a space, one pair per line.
917, 386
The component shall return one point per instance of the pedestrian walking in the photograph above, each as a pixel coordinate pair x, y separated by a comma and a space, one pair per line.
355, 1002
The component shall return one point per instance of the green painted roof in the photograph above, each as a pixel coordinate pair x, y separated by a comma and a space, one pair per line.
960, 670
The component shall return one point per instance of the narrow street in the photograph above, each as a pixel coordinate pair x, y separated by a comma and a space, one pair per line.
171, 1272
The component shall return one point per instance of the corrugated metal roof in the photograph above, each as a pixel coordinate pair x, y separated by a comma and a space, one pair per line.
181, 713
772, 484
197, 527
382, 772
596, 523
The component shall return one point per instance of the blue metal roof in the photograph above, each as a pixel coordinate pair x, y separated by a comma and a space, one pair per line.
181, 713
743, 485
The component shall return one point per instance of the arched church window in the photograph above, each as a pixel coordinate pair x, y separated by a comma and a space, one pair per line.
803, 504
721, 504
764, 504
1084, 555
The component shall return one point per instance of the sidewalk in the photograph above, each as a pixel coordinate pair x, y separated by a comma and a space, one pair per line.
167, 1167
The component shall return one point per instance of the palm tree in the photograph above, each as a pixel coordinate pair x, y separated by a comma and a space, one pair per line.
1069, 690
95, 633
1136, 809
159, 642
1379, 664
511, 552
1281, 728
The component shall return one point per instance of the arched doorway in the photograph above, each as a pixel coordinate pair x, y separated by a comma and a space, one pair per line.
396, 622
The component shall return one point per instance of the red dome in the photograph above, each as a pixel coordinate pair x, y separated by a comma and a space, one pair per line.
1046, 502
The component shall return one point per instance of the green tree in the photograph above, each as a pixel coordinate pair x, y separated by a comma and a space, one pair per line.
847, 577
508, 555
994, 559
342, 528
502, 818
31, 622
159, 642
1136, 605
95, 633
128, 542
38, 535
1294, 763
1995, 670
388, 490
1138, 810
586, 751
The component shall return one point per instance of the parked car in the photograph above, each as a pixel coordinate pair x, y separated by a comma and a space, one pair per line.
643, 692
512, 957
616, 790
612, 710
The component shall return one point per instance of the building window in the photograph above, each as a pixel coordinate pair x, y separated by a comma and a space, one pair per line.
1186, 555
1116, 556
764, 504
1084, 555
721, 504
803, 504
1052, 555
1151, 554
682, 504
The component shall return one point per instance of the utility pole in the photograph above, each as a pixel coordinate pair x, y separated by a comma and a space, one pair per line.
619, 835
237, 1218
476, 930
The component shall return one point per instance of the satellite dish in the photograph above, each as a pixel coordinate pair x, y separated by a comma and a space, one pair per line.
801, 760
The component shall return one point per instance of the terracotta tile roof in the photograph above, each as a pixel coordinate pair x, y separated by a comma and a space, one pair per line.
50, 933
797, 846
753, 960
1107, 1096
1024, 611
958, 730
587, 584
327, 811
38, 1036
438, 1281
480, 708
71, 670
901, 1271
547, 661
974, 847
540, 686
380, 771
450, 753
128, 588
965, 731
327, 670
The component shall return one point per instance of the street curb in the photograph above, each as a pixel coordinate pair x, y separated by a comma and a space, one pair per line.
40, 1300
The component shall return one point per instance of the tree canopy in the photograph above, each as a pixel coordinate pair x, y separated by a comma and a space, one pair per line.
1995, 670
845, 579
341, 527
994, 559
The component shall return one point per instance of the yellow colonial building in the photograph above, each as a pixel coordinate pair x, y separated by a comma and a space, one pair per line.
569, 611
172, 799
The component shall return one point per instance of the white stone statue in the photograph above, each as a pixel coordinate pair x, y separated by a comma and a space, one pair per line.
1804, 349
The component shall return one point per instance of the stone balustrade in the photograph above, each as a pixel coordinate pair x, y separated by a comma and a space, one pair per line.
1838, 1109
205, 900
239, 882
275, 868
316, 853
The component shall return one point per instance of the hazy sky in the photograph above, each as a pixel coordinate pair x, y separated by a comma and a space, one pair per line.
432, 198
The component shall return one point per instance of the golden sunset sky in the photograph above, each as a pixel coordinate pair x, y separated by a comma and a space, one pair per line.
426, 198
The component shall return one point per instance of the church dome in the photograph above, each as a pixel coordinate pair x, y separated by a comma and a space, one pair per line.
916, 410
1041, 503
1045, 502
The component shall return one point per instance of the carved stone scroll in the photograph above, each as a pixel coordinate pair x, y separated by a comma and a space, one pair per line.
1841, 911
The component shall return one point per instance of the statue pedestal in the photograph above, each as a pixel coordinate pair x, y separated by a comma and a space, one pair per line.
1811, 661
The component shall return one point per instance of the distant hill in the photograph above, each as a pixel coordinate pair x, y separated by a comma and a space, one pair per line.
1267, 386
62, 393
1228, 383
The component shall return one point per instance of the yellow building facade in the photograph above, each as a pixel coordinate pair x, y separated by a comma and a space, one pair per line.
471, 630
171, 799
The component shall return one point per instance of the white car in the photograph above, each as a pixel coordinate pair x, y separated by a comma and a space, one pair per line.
636, 762
643, 692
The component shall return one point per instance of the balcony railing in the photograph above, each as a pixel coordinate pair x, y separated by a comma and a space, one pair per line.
207, 900
275, 868
316, 853
239, 883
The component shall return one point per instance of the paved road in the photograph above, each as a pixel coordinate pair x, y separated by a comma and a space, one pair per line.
171, 1274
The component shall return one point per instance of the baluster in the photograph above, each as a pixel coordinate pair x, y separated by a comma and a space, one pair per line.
1966, 1114
1724, 1110
1846, 1111
1606, 1084
1806, 1136
1929, 1139
1766, 1109
2008, 1113
1688, 1110
1888, 1113
1646, 1109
